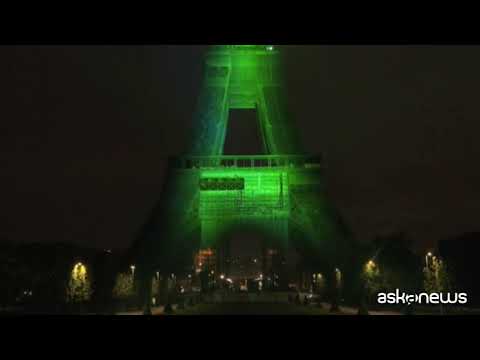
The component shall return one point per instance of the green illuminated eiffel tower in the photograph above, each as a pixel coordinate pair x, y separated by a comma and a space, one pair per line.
208, 194
243, 77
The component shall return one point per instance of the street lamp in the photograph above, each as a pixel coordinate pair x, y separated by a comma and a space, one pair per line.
133, 270
79, 270
429, 255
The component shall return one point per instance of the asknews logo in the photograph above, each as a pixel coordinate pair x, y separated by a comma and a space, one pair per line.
422, 298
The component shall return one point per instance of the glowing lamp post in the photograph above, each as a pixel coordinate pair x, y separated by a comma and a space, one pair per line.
79, 270
371, 265
79, 286
429, 255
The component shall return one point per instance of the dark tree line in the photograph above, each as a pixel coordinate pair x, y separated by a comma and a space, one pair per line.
461, 256
35, 277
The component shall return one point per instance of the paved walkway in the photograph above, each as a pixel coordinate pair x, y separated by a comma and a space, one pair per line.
276, 298
353, 311
159, 310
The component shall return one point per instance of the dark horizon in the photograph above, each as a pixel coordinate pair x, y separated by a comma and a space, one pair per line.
86, 131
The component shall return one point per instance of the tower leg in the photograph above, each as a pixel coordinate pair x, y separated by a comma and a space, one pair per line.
334, 290
145, 292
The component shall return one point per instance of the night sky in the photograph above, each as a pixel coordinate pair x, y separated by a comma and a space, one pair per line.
84, 132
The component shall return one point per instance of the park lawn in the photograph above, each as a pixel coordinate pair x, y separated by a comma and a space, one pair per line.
252, 309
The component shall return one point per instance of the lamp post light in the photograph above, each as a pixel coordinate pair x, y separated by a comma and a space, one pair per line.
429, 255
371, 264
132, 267
436, 262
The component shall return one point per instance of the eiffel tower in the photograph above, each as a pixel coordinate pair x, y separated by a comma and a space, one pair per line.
209, 195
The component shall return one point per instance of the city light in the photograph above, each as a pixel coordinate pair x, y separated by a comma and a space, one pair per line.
78, 288
79, 270
222, 276
370, 266
429, 255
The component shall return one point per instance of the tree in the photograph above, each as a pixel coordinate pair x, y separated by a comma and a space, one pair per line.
437, 278
123, 288
401, 268
373, 279
79, 288
460, 253
319, 284
155, 288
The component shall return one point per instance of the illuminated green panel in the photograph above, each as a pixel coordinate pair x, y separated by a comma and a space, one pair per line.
221, 184
265, 194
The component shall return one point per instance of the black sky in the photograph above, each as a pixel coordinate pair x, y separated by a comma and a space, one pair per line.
85, 131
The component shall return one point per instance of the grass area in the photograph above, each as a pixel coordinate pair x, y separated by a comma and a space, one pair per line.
252, 309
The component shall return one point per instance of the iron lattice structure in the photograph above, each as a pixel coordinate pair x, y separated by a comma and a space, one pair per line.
281, 193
